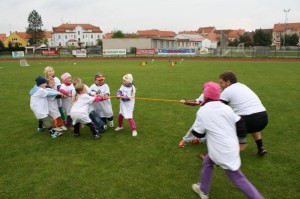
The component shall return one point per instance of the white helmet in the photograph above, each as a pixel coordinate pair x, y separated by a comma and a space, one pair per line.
128, 78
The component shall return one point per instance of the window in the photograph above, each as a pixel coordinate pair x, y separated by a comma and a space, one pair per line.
78, 32
58, 36
161, 44
66, 36
91, 36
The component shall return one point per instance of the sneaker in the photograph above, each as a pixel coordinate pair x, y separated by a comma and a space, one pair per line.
101, 129
261, 151
63, 128
57, 129
111, 123
134, 133
39, 130
196, 188
54, 134
119, 128
182, 144
59, 133
104, 126
97, 136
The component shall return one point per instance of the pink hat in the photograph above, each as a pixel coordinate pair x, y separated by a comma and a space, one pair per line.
211, 90
65, 76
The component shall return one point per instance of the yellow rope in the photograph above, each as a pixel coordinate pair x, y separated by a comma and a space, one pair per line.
152, 99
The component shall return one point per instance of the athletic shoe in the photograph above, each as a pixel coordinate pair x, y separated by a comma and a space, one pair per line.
134, 133
111, 123
57, 129
54, 134
59, 133
196, 188
39, 130
196, 141
182, 144
101, 129
63, 128
97, 136
261, 151
104, 126
119, 128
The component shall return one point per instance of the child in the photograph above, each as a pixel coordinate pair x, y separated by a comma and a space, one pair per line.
53, 106
39, 105
49, 72
68, 90
189, 137
127, 94
102, 108
224, 130
99, 124
80, 110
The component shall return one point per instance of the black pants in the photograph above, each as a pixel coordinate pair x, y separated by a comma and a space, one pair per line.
256, 122
91, 125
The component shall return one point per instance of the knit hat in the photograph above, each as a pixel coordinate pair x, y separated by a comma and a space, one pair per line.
65, 76
128, 78
40, 80
211, 90
99, 76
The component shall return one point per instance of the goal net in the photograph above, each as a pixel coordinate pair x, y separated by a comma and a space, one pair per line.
23, 62
240, 47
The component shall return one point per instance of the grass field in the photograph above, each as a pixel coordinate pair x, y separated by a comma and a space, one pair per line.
151, 165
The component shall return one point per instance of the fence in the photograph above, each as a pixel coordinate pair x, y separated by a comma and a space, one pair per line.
234, 52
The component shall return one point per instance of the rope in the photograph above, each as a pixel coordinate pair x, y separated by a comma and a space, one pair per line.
152, 99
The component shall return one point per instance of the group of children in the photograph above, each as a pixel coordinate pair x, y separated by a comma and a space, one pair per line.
72, 104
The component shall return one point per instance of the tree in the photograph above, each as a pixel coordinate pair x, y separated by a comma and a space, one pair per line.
118, 34
34, 29
99, 42
294, 40
246, 40
1, 46
261, 38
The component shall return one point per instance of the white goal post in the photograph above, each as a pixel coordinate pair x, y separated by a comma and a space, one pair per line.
23, 62
240, 47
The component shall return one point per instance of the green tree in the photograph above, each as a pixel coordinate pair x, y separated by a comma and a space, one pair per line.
246, 40
294, 40
99, 42
235, 42
34, 29
261, 38
1, 46
10, 46
118, 34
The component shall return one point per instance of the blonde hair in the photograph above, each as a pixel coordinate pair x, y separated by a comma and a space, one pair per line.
76, 80
79, 87
47, 69
50, 79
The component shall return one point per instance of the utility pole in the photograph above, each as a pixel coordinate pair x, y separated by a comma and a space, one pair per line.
286, 12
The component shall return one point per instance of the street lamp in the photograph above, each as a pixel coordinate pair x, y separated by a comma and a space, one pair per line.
286, 12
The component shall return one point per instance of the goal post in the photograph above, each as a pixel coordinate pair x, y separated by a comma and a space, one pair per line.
23, 62
240, 47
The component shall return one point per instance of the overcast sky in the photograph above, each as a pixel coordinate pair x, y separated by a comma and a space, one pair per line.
132, 15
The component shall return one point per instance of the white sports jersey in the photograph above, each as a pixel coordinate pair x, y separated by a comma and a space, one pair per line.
53, 107
39, 103
67, 101
103, 108
218, 121
80, 109
127, 107
242, 99
57, 82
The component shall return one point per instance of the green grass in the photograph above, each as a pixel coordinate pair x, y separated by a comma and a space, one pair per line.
151, 165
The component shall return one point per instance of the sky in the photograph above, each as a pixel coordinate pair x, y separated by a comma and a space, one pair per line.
129, 16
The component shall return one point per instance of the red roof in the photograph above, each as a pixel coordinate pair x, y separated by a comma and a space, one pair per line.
48, 34
155, 33
282, 27
236, 33
62, 28
213, 37
188, 32
207, 30
23, 35
108, 35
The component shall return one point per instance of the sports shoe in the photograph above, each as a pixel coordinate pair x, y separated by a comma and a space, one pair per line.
59, 133
57, 129
182, 144
119, 128
104, 126
134, 133
97, 136
54, 134
39, 130
261, 151
111, 123
196, 188
63, 128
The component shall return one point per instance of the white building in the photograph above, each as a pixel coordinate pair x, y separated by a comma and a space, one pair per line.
75, 35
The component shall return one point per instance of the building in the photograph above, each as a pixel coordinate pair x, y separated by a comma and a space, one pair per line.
155, 34
75, 35
2, 36
206, 30
16, 38
284, 29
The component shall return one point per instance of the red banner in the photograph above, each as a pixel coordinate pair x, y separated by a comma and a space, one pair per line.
145, 51
49, 52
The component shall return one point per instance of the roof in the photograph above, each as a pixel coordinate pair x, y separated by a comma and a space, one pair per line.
236, 33
282, 27
23, 35
226, 31
2, 36
62, 28
188, 32
108, 35
213, 37
155, 33
48, 34
206, 29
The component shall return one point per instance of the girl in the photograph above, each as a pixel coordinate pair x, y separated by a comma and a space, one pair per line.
80, 110
68, 90
102, 108
127, 94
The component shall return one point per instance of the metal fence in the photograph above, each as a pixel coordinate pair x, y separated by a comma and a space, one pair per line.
234, 52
